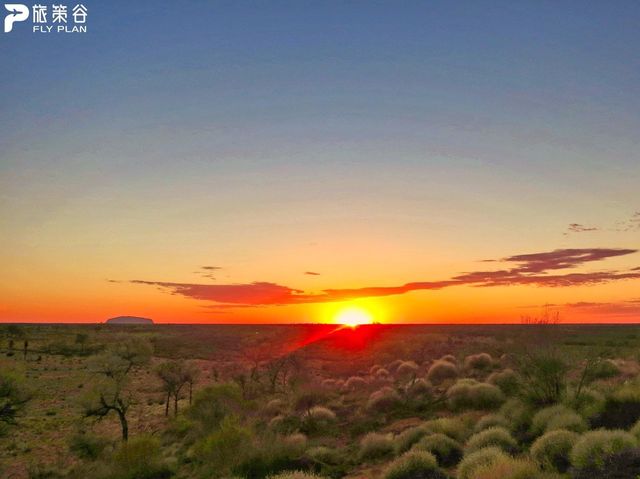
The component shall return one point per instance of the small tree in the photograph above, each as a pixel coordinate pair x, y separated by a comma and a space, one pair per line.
13, 396
26, 348
111, 391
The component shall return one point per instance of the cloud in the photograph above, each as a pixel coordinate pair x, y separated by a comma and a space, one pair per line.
311, 273
211, 268
623, 308
530, 269
578, 228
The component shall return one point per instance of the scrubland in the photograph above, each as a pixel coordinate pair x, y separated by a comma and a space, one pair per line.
314, 401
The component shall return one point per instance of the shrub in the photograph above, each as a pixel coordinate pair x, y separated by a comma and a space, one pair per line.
394, 365
324, 455
543, 416
139, 458
507, 380
478, 459
223, 447
88, 446
374, 369
355, 383
620, 465
382, 374
213, 403
274, 407
552, 449
414, 465
544, 377
375, 445
635, 430
383, 400
420, 387
518, 414
450, 358
605, 369
454, 427
589, 403
509, 468
295, 475
621, 409
268, 454
322, 414
494, 436
594, 447
470, 395
328, 383
446, 450
296, 443
480, 361
407, 369
441, 370
491, 420
407, 438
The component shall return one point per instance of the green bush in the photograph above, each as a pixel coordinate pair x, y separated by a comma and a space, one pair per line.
494, 436
518, 413
454, 427
324, 455
88, 446
552, 449
375, 446
225, 447
213, 403
407, 370
510, 468
295, 475
479, 459
491, 420
450, 358
507, 380
447, 451
407, 438
589, 403
594, 447
442, 370
383, 400
412, 465
139, 458
621, 409
420, 388
557, 417
355, 383
466, 394
480, 361
605, 369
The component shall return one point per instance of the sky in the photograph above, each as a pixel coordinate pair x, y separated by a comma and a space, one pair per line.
431, 162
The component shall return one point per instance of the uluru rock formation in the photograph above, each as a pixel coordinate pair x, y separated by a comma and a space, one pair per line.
129, 320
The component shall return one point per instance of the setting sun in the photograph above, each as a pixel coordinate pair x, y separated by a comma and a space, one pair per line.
353, 316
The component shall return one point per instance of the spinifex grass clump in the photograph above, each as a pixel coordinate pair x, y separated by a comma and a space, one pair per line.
407, 438
375, 446
594, 447
552, 449
470, 394
454, 427
414, 464
383, 400
511, 468
446, 450
476, 460
491, 420
481, 361
494, 436
557, 417
621, 409
442, 370
507, 380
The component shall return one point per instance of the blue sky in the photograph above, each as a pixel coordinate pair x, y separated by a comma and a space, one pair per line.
231, 128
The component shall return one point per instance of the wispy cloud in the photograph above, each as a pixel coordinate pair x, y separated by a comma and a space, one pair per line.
529, 269
579, 228
311, 273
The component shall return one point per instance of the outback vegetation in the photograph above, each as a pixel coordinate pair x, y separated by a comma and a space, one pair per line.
532, 401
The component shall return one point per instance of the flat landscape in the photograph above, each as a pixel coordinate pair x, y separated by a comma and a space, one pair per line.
373, 401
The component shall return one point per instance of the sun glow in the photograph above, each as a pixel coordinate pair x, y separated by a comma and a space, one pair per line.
353, 317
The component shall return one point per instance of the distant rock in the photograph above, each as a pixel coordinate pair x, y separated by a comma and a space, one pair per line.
129, 320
